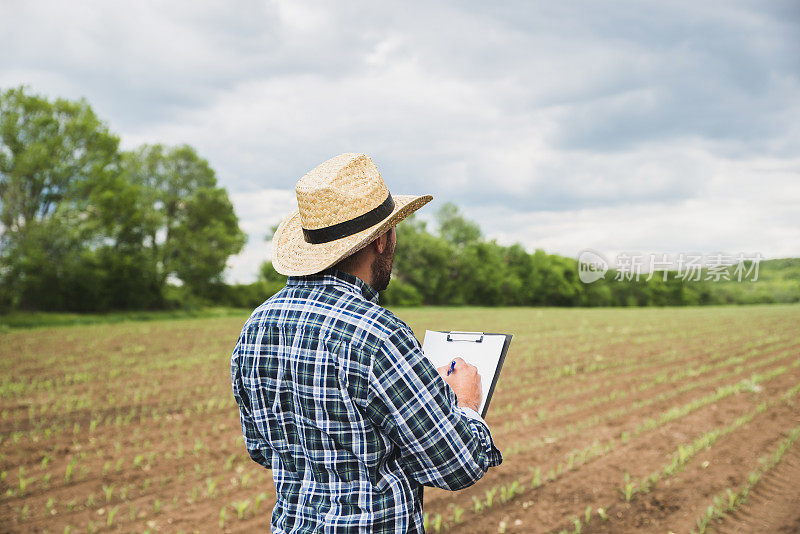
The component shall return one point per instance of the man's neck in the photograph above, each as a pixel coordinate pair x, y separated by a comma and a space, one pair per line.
365, 275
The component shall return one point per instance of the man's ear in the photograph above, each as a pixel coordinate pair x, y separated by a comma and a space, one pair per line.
382, 242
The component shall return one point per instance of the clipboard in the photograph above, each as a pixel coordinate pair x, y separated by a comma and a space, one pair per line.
485, 350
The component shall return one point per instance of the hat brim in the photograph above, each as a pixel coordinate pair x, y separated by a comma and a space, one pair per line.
293, 256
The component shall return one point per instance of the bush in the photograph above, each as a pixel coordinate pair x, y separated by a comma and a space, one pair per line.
400, 293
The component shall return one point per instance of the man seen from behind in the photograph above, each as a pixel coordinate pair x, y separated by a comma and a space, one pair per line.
334, 392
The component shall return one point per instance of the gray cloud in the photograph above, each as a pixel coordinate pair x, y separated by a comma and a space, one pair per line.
518, 107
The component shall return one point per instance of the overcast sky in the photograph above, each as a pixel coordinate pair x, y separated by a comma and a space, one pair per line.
619, 126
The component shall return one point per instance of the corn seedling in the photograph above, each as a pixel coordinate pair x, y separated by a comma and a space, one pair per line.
629, 486
70, 468
223, 516
702, 521
23, 481
537, 478
477, 505
508, 491
110, 517
50, 506
108, 491
718, 506
241, 508
211, 486
490, 497
229, 461
683, 453
731, 500
437, 523
458, 514
261, 497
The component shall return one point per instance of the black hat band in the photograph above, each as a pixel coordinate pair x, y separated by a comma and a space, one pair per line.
353, 226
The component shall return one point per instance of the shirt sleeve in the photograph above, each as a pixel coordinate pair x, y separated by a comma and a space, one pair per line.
440, 444
256, 445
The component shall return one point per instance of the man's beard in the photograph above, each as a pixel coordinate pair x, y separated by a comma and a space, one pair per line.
382, 269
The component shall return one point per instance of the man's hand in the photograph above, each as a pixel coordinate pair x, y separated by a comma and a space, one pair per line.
466, 383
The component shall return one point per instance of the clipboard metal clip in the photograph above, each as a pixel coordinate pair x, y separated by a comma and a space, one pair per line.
471, 337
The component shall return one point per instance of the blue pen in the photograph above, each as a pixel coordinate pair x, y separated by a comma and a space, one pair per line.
452, 367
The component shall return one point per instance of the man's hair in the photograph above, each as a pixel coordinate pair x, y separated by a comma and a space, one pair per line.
350, 263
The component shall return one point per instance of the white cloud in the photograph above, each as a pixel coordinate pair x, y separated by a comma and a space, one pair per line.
745, 206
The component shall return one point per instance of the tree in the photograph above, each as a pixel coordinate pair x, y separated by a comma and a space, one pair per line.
85, 228
53, 157
204, 239
268, 273
49, 154
454, 228
189, 222
426, 262
486, 278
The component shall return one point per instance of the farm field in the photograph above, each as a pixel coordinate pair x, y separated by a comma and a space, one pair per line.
610, 420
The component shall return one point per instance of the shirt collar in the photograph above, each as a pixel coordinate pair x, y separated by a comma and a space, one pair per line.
338, 278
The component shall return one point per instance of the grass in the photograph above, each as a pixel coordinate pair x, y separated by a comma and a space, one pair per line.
28, 320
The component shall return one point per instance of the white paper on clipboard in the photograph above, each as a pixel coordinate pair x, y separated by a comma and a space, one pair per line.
484, 351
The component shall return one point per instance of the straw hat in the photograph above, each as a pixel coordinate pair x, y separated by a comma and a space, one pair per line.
344, 205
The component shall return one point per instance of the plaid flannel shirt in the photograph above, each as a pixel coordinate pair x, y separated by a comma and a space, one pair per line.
337, 398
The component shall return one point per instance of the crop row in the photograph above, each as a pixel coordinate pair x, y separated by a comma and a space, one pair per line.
725, 503
587, 362
577, 373
656, 379
684, 453
578, 457
610, 415
543, 415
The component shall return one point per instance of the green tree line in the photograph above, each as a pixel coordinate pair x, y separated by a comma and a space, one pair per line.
89, 227
456, 265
